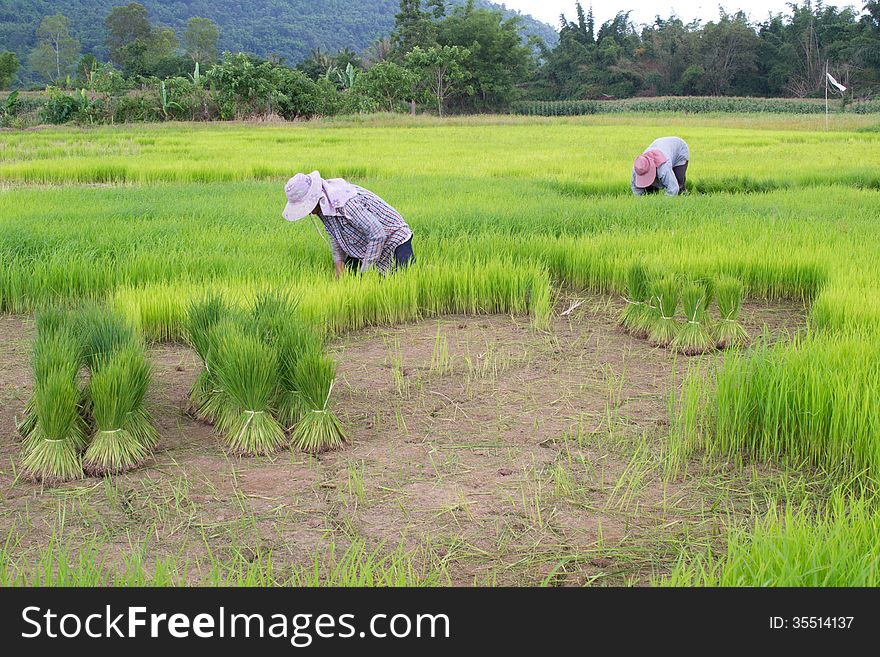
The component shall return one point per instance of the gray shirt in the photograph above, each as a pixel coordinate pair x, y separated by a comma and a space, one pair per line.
677, 153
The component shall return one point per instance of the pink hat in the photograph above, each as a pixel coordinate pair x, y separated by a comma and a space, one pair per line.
303, 193
645, 167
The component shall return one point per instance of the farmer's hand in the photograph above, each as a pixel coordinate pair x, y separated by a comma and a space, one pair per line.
340, 269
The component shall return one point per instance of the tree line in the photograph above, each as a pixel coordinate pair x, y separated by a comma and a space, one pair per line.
459, 59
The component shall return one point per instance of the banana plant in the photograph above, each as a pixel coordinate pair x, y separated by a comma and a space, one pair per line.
346, 79
7, 107
165, 103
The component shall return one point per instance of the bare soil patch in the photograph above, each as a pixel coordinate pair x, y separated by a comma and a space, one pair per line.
496, 452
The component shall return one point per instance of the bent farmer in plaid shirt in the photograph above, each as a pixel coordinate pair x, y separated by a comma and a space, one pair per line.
365, 231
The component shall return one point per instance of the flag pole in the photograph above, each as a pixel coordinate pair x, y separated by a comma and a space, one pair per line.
826, 94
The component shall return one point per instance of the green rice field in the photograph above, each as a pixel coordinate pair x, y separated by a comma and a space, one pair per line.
500, 427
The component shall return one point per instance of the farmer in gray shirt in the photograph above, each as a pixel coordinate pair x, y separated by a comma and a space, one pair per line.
662, 165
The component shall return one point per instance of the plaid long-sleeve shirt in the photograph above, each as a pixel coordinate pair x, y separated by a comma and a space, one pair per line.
366, 228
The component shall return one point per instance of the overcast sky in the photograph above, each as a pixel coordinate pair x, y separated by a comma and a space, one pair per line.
644, 11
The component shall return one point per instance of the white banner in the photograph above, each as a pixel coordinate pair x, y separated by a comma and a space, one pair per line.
837, 84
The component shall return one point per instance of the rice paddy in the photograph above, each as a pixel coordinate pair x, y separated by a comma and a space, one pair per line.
170, 237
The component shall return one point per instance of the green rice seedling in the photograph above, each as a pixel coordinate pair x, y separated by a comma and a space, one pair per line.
104, 332
834, 545
728, 331
52, 453
201, 317
297, 339
247, 371
665, 327
694, 337
635, 317
319, 429
124, 435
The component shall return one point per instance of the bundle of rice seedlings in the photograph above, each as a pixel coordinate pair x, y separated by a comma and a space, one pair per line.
125, 435
297, 340
636, 316
56, 345
694, 337
103, 333
52, 452
665, 328
246, 369
55, 350
728, 331
271, 313
319, 429
709, 288
201, 318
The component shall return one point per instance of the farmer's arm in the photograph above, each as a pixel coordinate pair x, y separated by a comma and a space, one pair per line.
338, 255
638, 191
372, 231
667, 179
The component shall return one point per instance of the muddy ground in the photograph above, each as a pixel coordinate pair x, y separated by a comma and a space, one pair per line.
492, 452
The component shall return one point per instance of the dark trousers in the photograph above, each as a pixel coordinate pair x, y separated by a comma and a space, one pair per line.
403, 257
680, 173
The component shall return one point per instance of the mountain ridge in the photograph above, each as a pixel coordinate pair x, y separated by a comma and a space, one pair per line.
290, 29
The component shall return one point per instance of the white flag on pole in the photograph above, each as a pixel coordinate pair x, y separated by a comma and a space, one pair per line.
837, 84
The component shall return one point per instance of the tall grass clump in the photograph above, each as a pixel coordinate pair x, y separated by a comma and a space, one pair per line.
201, 318
246, 369
837, 546
728, 331
319, 429
694, 337
637, 316
124, 433
665, 327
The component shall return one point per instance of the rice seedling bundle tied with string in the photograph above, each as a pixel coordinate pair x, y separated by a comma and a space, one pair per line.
319, 429
124, 434
637, 317
55, 435
665, 327
728, 331
53, 449
246, 369
201, 317
57, 346
695, 336
297, 342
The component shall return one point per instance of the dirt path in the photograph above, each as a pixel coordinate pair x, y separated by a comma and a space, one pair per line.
500, 453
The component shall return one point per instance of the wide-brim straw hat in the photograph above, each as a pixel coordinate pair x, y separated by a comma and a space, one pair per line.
303, 192
645, 167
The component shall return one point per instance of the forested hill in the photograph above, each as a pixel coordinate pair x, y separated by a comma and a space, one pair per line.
288, 28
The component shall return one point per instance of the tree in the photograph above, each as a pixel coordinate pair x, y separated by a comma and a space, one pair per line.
412, 28
387, 84
499, 59
139, 48
201, 40
125, 25
56, 51
441, 69
728, 49
8, 68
